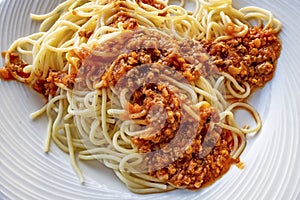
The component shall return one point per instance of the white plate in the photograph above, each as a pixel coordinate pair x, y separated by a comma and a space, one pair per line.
272, 158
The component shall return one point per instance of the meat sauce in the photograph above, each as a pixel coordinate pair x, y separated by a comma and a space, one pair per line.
183, 152
250, 59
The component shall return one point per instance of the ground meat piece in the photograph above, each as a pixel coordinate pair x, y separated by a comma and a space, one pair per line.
129, 23
122, 16
85, 33
63, 78
15, 65
157, 4
54, 79
5, 74
44, 87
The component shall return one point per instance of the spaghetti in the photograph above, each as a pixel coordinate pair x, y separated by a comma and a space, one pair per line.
146, 87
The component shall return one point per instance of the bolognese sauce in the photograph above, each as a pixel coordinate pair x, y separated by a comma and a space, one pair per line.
198, 157
250, 59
